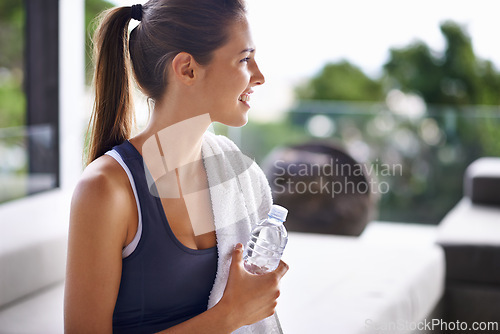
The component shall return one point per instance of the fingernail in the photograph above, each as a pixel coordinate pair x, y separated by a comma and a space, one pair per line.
238, 246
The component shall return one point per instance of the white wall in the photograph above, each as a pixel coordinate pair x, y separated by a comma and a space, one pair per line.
33, 230
72, 85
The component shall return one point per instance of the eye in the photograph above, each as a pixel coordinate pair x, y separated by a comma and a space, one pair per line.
245, 60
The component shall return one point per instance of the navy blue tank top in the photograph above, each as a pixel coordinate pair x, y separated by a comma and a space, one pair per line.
163, 282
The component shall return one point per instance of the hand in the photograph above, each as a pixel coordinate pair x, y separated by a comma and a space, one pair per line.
248, 297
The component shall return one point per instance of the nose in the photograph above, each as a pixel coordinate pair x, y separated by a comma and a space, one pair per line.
257, 77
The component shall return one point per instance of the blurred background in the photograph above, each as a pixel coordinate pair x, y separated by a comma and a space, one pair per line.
412, 85
408, 93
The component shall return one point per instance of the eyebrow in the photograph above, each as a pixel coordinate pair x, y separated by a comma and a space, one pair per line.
248, 50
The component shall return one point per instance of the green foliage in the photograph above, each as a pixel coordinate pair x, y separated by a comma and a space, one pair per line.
459, 66
456, 77
92, 9
414, 68
461, 92
11, 10
341, 81
489, 136
11, 34
12, 102
489, 83
12, 99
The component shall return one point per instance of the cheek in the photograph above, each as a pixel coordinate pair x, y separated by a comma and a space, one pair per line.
239, 76
240, 81
229, 84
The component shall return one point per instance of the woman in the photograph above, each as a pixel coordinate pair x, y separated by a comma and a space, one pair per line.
142, 258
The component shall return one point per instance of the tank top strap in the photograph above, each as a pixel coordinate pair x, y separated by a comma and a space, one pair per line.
127, 250
131, 161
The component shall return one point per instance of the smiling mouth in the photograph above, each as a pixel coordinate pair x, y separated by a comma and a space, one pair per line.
244, 98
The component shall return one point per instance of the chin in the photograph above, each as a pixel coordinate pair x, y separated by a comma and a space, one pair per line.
242, 121
237, 121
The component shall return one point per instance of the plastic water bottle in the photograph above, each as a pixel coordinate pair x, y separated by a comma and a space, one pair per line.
267, 242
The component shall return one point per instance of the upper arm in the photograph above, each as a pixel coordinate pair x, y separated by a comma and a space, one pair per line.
96, 237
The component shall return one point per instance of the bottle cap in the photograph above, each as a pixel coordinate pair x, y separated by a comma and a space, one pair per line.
278, 212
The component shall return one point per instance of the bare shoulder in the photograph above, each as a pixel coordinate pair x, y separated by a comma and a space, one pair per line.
103, 179
103, 196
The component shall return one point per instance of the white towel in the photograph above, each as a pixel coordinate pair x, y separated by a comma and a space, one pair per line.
240, 196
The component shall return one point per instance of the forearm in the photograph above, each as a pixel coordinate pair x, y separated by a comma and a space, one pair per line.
217, 320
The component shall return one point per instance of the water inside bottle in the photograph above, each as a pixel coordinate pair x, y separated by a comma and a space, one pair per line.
265, 248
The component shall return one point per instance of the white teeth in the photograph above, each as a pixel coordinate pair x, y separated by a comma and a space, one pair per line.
244, 98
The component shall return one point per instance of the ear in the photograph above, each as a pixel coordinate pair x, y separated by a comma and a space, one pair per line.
185, 68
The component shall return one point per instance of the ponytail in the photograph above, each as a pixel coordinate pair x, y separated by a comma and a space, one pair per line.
112, 116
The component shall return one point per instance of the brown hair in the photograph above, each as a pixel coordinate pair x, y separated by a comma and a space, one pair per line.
168, 27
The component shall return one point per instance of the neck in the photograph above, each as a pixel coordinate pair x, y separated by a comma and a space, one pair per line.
179, 132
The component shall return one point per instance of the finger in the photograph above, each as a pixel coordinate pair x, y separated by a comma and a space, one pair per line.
282, 269
237, 254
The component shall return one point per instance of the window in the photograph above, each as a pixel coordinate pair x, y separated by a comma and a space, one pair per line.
29, 97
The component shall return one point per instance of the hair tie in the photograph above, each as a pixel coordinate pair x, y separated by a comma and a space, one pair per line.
136, 12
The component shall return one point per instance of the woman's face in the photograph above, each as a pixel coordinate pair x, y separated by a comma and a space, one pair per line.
230, 76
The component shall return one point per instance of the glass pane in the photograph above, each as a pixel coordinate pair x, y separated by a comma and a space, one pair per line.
12, 98
23, 149
15, 145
